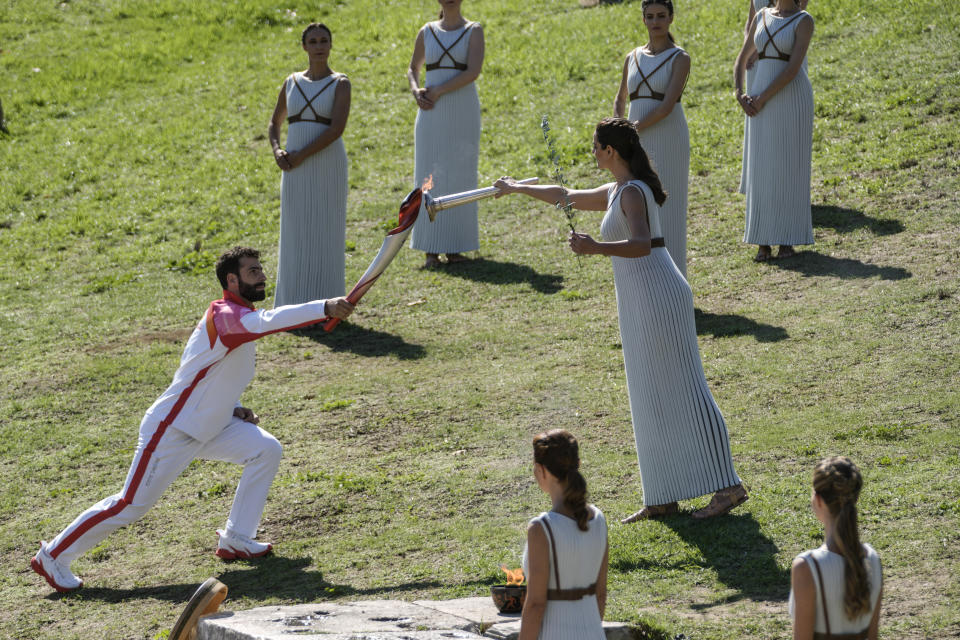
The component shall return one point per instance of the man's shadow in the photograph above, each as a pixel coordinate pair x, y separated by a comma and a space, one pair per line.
723, 325
733, 545
844, 220
493, 272
269, 577
813, 263
362, 341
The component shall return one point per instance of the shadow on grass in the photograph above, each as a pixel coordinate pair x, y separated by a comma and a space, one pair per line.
260, 579
493, 272
722, 325
743, 558
813, 263
845, 220
362, 341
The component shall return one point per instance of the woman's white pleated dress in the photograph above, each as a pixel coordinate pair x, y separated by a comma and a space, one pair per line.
667, 143
682, 443
748, 84
448, 146
579, 556
779, 142
313, 200
832, 568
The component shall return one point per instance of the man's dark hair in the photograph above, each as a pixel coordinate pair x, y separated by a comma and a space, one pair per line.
229, 262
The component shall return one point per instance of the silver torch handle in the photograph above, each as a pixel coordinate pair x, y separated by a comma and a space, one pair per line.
435, 205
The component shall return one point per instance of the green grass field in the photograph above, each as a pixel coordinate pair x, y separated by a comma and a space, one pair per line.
137, 152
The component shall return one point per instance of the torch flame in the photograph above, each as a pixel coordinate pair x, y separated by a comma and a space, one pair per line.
514, 577
427, 184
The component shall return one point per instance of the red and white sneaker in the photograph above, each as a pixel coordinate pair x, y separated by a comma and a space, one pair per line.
233, 546
56, 574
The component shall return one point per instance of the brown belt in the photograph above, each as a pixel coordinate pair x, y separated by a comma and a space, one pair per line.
297, 118
862, 635
657, 242
571, 594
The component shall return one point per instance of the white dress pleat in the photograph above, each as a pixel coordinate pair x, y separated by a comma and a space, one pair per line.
448, 148
667, 144
779, 141
313, 202
579, 556
682, 443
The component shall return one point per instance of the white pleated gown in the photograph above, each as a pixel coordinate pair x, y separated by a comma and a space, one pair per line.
748, 85
579, 554
779, 142
313, 203
448, 148
667, 144
682, 443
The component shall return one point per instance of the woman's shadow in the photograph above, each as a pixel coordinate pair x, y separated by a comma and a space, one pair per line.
362, 341
733, 546
723, 325
493, 272
844, 220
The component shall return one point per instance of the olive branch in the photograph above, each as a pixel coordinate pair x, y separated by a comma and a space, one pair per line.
567, 206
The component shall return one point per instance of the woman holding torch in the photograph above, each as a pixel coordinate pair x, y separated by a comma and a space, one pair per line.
313, 186
682, 443
447, 128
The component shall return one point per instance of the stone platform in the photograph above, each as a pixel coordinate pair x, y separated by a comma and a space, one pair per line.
460, 619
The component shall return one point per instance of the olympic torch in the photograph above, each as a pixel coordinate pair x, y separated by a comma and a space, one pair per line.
409, 211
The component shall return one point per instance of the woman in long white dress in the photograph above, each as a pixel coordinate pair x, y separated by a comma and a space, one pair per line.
447, 129
565, 558
835, 590
780, 137
313, 186
653, 79
683, 447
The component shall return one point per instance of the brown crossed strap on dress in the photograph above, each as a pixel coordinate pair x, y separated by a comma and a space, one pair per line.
862, 635
657, 242
762, 54
459, 66
558, 593
298, 117
644, 79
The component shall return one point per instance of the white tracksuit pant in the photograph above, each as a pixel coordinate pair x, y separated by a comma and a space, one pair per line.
155, 467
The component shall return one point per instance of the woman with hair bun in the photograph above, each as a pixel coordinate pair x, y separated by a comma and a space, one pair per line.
565, 558
313, 186
682, 443
654, 77
835, 590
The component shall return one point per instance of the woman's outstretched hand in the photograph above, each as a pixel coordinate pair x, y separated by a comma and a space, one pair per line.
505, 185
582, 244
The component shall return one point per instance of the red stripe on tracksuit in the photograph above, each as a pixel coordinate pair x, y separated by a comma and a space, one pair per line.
138, 474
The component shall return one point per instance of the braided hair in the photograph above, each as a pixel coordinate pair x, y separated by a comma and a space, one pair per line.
837, 481
666, 3
558, 451
620, 134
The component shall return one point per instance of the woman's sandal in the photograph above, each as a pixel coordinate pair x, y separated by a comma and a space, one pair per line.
454, 258
764, 253
432, 261
652, 511
786, 251
722, 502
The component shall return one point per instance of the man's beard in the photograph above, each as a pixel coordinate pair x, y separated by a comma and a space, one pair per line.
251, 292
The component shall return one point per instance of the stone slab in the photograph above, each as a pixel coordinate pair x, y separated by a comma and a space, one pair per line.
360, 620
480, 610
511, 631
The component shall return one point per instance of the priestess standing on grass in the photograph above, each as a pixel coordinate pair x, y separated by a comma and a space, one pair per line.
565, 558
681, 437
313, 186
654, 76
835, 590
447, 129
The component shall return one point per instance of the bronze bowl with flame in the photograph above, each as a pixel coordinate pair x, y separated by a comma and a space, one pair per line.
509, 597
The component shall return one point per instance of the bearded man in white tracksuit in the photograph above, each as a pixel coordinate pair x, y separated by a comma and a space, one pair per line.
199, 416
